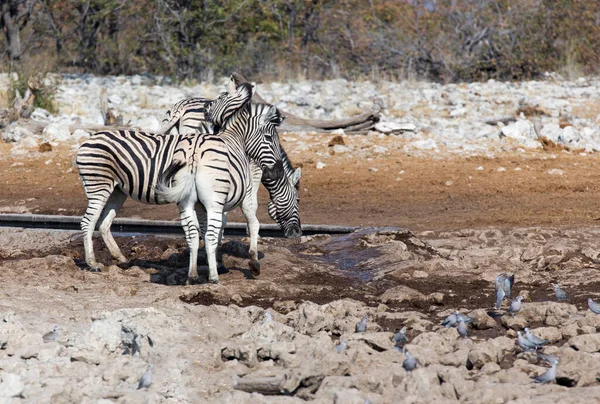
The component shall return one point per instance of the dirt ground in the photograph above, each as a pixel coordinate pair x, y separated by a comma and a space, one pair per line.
468, 220
420, 193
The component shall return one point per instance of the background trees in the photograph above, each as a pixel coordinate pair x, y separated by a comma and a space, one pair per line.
443, 40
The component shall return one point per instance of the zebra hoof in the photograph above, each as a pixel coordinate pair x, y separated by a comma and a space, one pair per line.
214, 281
255, 267
95, 267
191, 281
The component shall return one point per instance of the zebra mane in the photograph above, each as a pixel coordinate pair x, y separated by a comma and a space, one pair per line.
269, 113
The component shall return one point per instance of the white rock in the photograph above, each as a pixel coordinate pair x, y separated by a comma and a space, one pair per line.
379, 149
148, 124
455, 113
501, 169
480, 168
80, 134
115, 99
28, 142
54, 132
340, 148
10, 385
555, 171
337, 132
16, 133
373, 169
40, 114
389, 127
521, 129
426, 144
320, 165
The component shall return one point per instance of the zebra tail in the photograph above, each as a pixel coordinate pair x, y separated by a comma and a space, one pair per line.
169, 191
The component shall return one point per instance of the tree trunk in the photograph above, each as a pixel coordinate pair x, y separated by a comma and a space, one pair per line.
362, 122
11, 29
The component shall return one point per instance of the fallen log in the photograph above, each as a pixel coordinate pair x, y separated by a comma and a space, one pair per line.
360, 122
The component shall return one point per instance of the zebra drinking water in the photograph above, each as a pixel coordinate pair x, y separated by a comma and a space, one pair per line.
185, 169
191, 115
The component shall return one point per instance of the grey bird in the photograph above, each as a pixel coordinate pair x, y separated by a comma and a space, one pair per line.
267, 318
451, 320
462, 317
503, 285
525, 344
549, 375
548, 358
594, 307
462, 329
146, 379
400, 338
52, 335
341, 346
560, 294
410, 362
515, 305
361, 326
533, 339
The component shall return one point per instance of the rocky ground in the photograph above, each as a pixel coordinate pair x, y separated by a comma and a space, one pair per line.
478, 199
206, 342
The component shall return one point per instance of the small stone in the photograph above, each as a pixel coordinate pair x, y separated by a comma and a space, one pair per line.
501, 169
480, 168
448, 183
555, 171
382, 308
420, 274
336, 140
435, 297
514, 322
320, 165
284, 307
373, 169
45, 147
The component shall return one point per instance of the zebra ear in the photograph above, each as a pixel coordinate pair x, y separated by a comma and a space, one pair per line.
275, 116
253, 84
295, 177
231, 87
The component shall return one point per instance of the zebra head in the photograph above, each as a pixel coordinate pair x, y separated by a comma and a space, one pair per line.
284, 206
229, 102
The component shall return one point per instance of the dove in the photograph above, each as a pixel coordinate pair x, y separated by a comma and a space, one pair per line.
451, 320
462, 317
341, 346
146, 379
548, 358
515, 305
549, 375
533, 339
462, 329
560, 294
52, 335
267, 318
410, 362
525, 344
400, 338
361, 326
503, 285
595, 307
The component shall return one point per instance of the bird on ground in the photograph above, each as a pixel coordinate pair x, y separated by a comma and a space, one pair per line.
400, 338
548, 358
503, 285
515, 305
462, 329
52, 335
594, 307
525, 344
267, 318
533, 339
410, 362
146, 379
341, 346
451, 320
549, 375
361, 326
560, 294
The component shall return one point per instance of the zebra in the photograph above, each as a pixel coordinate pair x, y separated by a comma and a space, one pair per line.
190, 116
208, 115
116, 164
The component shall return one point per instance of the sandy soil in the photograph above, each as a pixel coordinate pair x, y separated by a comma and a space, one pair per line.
420, 193
466, 224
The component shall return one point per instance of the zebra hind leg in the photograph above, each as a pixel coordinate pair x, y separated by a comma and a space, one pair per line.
249, 207
211, 241
191, 228
96, 202
114, 203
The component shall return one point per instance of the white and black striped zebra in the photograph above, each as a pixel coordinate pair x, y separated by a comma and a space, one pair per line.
202, 115
190, 116
211, 170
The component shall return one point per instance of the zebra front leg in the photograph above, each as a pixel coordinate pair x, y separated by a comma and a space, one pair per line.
249, 206
114, 203
191, 228
211, 241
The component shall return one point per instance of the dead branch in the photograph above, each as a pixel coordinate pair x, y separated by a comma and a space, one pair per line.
361, 122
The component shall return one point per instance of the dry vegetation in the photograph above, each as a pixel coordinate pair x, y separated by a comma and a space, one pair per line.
287, 39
